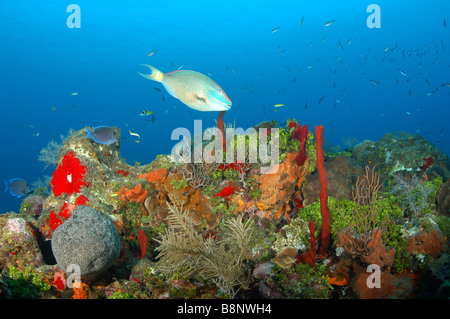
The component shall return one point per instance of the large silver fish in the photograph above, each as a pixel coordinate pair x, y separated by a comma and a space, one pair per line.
192, 88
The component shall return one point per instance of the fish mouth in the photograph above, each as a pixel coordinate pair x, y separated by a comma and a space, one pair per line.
222, 105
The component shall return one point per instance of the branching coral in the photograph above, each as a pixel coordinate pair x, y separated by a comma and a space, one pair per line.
366, 198
198, 174
363, 238
183, 249
369, 249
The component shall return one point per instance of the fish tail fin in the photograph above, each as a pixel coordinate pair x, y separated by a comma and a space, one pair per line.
6, 185
155, 75
90, 133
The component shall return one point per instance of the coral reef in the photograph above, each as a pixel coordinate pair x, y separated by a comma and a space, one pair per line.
308, 228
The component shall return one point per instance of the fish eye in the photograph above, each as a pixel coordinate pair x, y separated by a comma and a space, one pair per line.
220, 92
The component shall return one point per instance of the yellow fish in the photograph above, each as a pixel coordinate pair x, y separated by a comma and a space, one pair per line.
278, 105
134, 134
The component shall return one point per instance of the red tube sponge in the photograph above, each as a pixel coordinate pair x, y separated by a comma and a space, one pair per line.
324, 210
142, 239
68, 176
301, 133
310, 256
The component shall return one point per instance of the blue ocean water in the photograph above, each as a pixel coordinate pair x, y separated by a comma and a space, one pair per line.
370, 81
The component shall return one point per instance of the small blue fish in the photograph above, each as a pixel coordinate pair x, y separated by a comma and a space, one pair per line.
102, 135
18, 187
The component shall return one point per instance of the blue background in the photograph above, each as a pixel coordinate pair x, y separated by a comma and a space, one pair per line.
42, 61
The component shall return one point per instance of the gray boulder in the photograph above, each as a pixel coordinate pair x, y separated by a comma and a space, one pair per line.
87, 239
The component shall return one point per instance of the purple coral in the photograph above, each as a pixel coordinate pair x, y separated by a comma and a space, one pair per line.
32, 205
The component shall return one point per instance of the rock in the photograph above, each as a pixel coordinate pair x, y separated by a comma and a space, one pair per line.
88, 239
443, 199
18, 244
402, 152
342, 174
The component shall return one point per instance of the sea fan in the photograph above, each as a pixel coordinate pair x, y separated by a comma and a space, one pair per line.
182, 248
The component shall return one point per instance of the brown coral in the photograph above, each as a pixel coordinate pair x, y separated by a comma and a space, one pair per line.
154, 176
369, 249
430, 243
137, 194
278, 186
286, 258
192, 200
391, 286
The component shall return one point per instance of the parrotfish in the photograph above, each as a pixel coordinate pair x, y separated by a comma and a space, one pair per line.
18, 187
102, 135
194, 89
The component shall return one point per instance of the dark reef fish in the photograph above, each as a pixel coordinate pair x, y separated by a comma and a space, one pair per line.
18, 187
102, 135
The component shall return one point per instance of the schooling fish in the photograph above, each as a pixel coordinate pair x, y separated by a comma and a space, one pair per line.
402, 72
151, 53
102, 135
327, 24
194, 89
321, 99
18, 187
